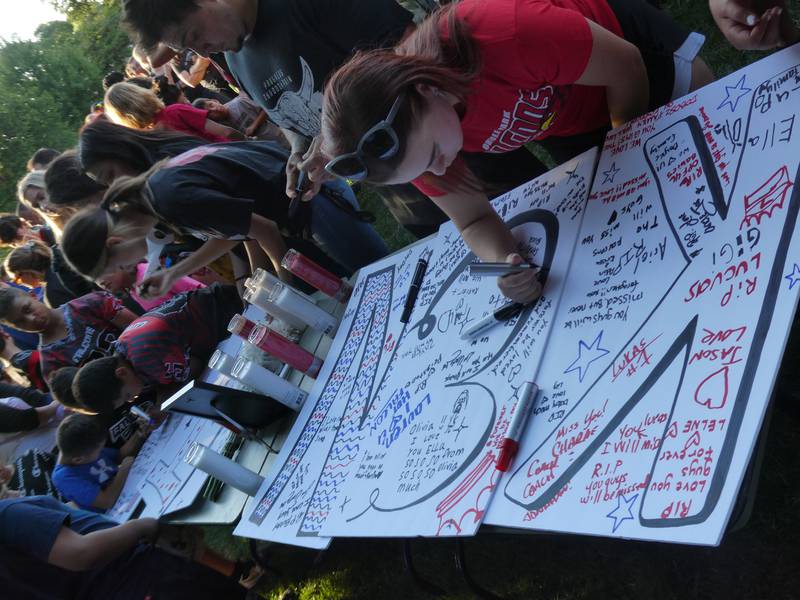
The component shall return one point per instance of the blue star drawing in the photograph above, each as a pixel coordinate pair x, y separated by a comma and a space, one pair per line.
794, 276
608, 176
593, 352
620, 514
734, 94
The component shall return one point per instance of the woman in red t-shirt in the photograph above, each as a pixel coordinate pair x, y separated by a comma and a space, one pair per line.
133, 106
490, 76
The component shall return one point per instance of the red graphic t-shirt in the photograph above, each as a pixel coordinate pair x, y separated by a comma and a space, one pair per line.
90, 332
188, 119
532, 52
159, 343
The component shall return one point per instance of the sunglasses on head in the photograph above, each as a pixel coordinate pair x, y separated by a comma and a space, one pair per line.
380, 142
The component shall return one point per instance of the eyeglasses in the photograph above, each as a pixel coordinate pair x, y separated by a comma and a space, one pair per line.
379, 142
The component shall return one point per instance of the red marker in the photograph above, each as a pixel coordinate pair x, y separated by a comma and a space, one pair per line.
510, 445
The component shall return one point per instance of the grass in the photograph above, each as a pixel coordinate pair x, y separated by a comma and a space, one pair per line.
756, 562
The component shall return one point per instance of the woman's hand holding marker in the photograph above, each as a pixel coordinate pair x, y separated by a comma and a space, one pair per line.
521, 287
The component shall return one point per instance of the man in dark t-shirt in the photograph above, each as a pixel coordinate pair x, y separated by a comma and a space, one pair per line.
281, 52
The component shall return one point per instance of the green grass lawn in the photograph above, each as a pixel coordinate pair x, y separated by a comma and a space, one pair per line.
759, 561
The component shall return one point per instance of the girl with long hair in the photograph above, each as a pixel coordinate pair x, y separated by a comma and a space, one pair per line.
226, 193
35, 264
490, 76
107, 150
137, 108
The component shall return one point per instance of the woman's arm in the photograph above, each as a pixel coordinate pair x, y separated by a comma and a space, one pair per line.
161, 282
490, 239
617, 65
76, 552
258, 258
266, 233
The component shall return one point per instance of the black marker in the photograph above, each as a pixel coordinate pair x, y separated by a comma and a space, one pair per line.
499, 269
504, 313
300, 189
413, 290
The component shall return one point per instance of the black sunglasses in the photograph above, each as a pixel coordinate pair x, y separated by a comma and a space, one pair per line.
379, 142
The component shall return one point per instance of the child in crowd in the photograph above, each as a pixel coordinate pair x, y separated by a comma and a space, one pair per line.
107, 150
35, 265
228, 193
41, 159
121, 424
132, 106
31, 193
87, 472
567, 72
72, 334
127, 279
15, 231
160, 350
69, 188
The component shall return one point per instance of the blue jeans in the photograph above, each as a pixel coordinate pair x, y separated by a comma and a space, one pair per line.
347, 240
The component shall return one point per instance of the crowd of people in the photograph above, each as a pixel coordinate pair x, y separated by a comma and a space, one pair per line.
235, 132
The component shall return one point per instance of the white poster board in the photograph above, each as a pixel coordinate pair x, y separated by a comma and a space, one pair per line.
159, 476
673, 320
399, 436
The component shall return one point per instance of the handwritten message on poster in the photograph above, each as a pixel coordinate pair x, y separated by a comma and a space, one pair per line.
673, 320
160, 480
401, 433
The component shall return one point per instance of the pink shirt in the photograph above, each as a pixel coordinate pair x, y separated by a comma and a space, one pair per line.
184, 284
188, 119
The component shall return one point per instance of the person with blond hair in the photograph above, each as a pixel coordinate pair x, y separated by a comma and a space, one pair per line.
129, 105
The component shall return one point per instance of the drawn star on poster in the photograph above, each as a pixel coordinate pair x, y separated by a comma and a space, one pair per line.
586, 356
794, 276
623, 511
608, 176
734, 94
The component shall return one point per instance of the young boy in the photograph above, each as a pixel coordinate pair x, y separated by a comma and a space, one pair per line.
121, 424
72, 334
87, 472
160, 350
